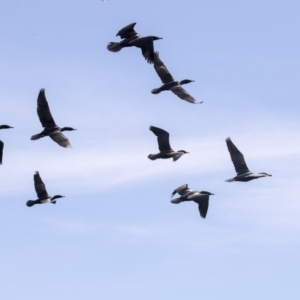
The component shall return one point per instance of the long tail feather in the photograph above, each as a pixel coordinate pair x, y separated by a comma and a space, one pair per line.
36, 137
114, 47
152, 156
156, 91
176, 201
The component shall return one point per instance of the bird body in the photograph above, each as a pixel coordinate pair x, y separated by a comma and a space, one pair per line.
50, 128
243, 173
131, 38
164, 146
187, 194
42, 194
1, 143
169, 83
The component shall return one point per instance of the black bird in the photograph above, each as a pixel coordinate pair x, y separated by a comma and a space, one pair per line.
42, 194
164, 146
1, 143
131, 38
169, 83
243, 173
186, 194
51, 129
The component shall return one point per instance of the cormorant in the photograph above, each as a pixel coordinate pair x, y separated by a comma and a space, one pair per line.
131, 38
51, 129
243, 173
164, 146
169, 83
42, 194
186, 194
1, 143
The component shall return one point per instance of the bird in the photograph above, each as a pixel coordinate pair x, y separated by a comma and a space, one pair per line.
186, 194
164, 146
1, 143
243, 173
50, 128
131, 38
169, 83
42, 194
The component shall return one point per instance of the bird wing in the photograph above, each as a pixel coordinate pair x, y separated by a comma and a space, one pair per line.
181, 190
1, 151
162, 139
237, 158
127, 31
183, 94
40, 186
60, 139
162, 70
203, 207
145, 43
43, 110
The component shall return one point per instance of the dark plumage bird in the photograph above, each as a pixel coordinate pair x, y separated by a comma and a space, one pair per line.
42, 194
243, 173
1, 143
186, 194
51, 129
131, 38
169, 83
164, 146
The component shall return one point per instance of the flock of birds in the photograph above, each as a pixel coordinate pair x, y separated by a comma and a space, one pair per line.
129, 37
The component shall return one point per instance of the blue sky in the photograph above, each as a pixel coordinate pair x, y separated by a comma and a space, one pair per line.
116, 235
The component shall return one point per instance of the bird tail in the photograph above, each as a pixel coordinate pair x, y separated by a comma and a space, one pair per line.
36, 136
53, 202
114, 47
230, 180
30, 203
176, 201
156, 91
152, 156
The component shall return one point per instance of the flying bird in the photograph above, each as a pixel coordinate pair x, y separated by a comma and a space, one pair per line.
42, 194
164, 146
186, 194
243, 173
169, 83
1, 143
131, 38
50, 128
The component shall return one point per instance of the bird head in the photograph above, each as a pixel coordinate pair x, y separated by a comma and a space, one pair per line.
185, 81
67, 129
264, 174
183, 151
156, 38
56, 197
5, 127
206, 193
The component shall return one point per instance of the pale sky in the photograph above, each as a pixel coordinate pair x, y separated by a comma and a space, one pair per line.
116, 235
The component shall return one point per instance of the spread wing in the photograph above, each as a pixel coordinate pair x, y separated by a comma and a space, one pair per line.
181, 190
1, 151
44, 111
161, 69
183, 94
127, 31
203, 207
60, 139
237, 158
146, 45
39, 186
162, 138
